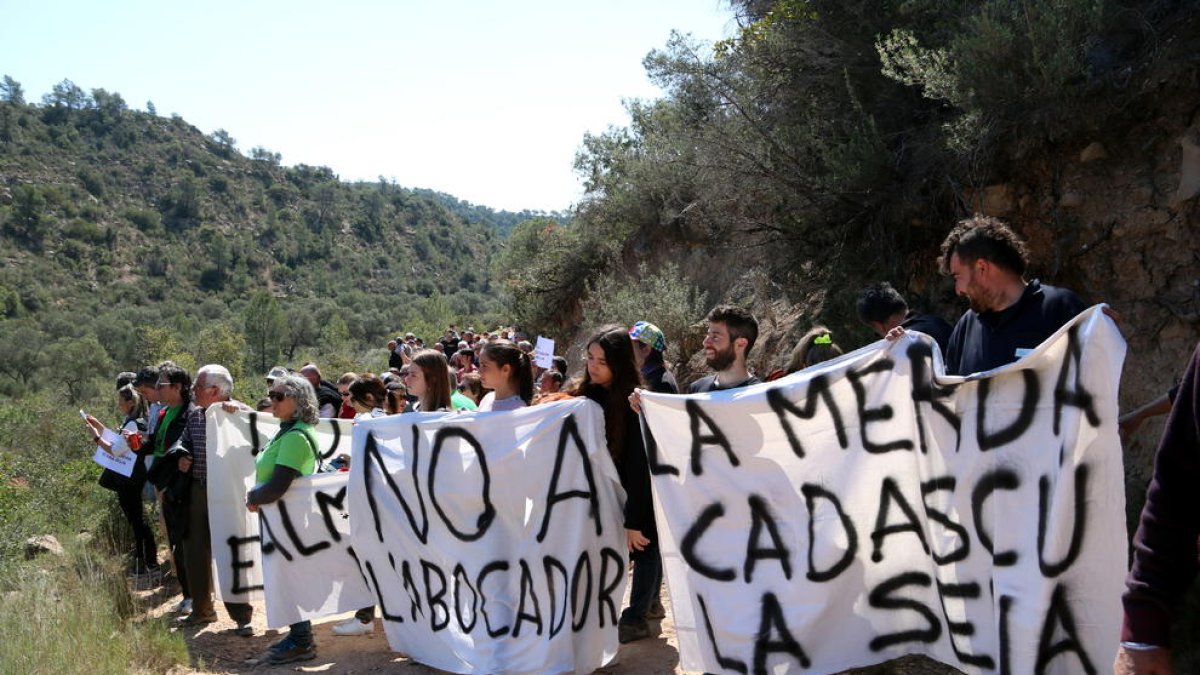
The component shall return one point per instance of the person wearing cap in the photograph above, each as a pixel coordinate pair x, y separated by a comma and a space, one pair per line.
649, 344
274, 374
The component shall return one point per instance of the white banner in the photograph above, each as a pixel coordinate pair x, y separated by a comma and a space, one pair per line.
864, 510
494, 542
233, 442
309, 569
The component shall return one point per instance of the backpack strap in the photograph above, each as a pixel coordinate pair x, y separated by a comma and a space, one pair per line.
311, 446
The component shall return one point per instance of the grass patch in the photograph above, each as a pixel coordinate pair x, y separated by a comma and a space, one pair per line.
72, 613
75, 614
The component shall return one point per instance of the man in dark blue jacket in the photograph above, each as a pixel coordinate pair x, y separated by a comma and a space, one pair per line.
1009, 316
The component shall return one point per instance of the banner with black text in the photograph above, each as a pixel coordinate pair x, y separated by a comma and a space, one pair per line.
866, 509
234, 440
493, 542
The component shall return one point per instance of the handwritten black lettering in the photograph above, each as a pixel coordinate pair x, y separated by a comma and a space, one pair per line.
494, 566
657, 468
962, 591
726, 662
811, 494
290, 529
996, 479
889, 492
570, 431
1059, 615
714, 436
1078, 523
236, 564
881, 597
435, 601
760, 516
605, 598
867, 415
579, 611
925, 390
989, 440
489, 510
1076, 396
271, 542
460, 580
527, 592
327, 504
929, 487
774, 637
818, 391
552, 566
687, 546
373, 460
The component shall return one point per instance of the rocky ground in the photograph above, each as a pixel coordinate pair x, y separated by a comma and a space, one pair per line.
214, 649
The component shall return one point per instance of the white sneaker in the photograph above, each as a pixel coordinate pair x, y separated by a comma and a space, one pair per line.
353, 626
184, 606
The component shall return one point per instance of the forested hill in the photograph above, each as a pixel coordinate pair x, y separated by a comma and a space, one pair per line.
113, 219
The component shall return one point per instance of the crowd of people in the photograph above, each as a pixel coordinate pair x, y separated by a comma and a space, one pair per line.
164, 410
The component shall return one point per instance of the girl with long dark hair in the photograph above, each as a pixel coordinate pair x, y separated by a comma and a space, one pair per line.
610, 378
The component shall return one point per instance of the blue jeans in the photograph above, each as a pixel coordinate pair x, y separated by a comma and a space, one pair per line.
647, 579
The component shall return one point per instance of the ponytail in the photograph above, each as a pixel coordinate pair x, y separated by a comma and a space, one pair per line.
525, 378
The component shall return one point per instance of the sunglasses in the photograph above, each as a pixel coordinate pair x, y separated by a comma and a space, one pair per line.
345, 394
276, 396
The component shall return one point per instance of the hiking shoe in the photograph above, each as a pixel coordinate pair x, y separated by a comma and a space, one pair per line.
244, 630
287, 651
656, 611
353, 626
631, 632
194, 619
184, 606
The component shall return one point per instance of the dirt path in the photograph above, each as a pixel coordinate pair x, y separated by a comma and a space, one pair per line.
214, 649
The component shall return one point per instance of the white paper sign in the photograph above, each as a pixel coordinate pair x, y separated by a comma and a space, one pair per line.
233, 442
494, 542
309, 569
120, 459
543, 352
864, 509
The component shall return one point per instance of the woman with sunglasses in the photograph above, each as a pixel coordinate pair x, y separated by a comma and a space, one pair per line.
292, 453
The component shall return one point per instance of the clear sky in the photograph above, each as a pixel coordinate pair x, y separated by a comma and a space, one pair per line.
485, 100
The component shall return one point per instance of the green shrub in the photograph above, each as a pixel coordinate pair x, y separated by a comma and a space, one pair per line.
664, 298
146, 221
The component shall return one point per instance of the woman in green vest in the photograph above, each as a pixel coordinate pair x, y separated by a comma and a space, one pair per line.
291, 454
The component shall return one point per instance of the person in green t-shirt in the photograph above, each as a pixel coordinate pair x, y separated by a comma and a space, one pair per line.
292, 453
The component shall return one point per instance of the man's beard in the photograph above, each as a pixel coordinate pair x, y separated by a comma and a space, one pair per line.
721, 359
982, 300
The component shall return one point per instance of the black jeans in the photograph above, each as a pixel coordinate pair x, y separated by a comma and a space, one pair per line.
647, 578
145, 555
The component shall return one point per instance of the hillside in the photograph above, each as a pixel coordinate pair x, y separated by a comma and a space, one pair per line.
113, 220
